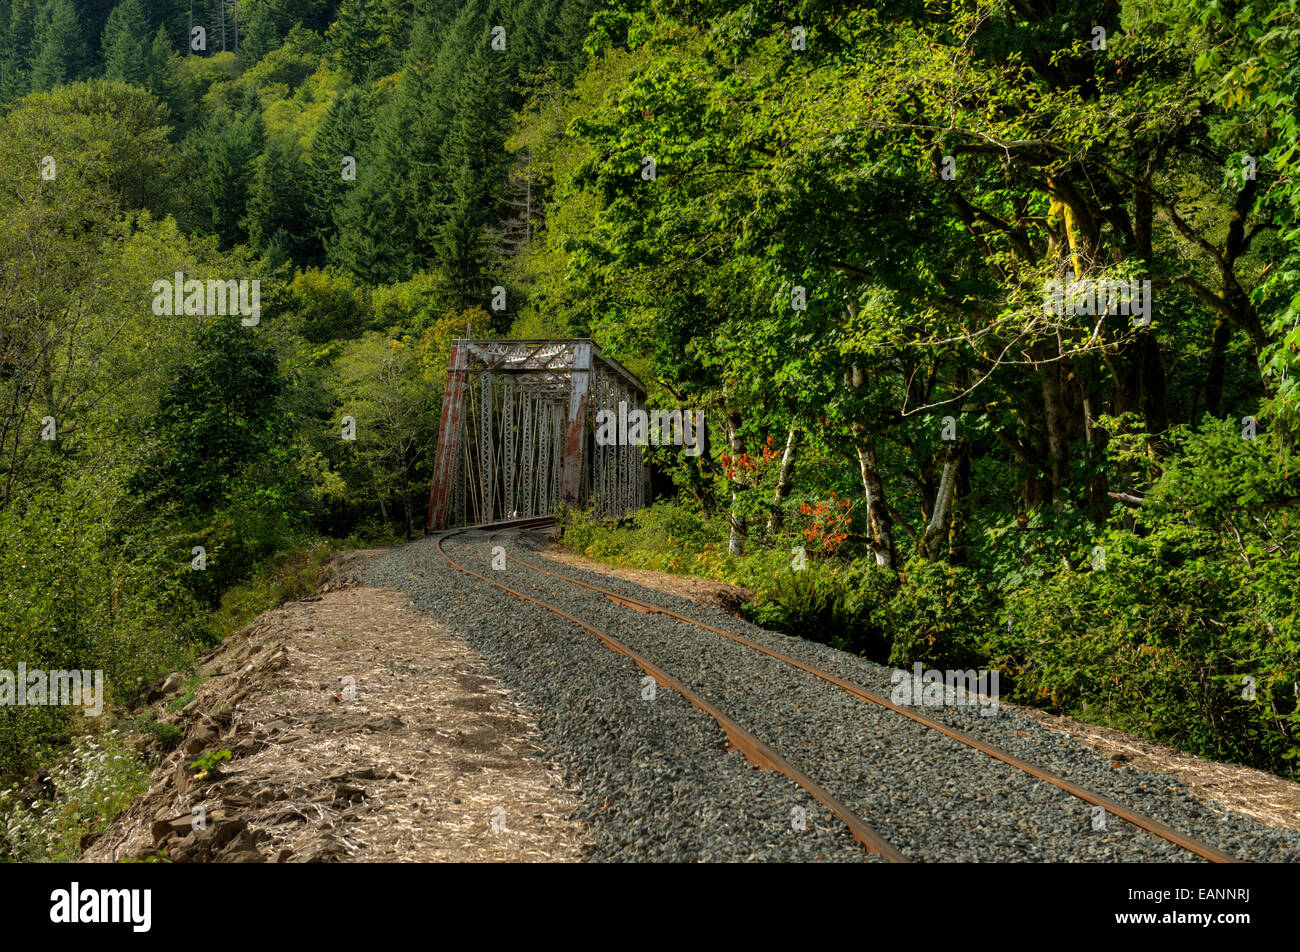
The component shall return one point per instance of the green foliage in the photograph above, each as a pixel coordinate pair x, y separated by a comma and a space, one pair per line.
185, 696
382, 385
58, 49
81, 590
278, 221
230, 146
325, 306
126, 44
293, 573
167, 735
839, 605
209, 764
216, 419
100, 777
941, 615
799, 262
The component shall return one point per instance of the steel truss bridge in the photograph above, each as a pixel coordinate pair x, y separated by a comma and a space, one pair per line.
516, 440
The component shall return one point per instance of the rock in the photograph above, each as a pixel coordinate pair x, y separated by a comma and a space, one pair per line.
346, 794
205, 845
164, 830
351, 773
201, 736
181, 777
321, 848
241, 849
172, 683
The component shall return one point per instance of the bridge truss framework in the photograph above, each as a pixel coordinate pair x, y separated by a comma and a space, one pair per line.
516, 438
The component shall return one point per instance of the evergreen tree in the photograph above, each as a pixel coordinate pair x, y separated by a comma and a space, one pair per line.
341, 134
356, 38
381, 235
58, 53
126, 44
261, 31
571, 23
92, 17
231, 146
7, 51
162, 61
473, 163
278, 217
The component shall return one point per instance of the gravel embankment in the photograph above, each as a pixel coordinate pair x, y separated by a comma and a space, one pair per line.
659, 786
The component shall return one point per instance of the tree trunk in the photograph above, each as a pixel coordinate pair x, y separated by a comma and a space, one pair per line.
882, 526
932, 544
736, 538
1056, 419
1217, 370
783, 481
1155, 401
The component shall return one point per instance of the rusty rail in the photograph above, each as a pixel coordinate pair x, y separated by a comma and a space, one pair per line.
754, 750
1151, 825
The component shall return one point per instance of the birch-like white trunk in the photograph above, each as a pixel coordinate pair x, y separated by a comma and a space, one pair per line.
736, 538
783, 481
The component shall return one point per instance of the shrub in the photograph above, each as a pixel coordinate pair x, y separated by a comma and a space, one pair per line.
838, 605
942, 615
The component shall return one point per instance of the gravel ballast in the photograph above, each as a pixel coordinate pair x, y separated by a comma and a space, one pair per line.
659, 785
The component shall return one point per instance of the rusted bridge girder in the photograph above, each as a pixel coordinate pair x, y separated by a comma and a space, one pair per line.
515, 439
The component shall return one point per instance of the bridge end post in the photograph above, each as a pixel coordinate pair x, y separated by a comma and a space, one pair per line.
449, 436
575, 434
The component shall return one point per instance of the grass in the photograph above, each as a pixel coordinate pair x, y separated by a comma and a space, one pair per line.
99, 778
95, 775
292, 575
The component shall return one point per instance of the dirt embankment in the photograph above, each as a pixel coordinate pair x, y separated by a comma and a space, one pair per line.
358, 729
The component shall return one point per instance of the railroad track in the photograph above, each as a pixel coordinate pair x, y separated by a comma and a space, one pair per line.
762, 755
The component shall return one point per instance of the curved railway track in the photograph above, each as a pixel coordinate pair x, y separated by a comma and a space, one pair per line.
762, 755
754, 750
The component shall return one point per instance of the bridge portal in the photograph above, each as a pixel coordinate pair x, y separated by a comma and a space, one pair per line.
517, 434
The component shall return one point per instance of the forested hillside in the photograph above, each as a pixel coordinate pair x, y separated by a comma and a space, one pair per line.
880, 245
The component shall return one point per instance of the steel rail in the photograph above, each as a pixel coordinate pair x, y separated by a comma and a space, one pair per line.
1151, 825
754, 750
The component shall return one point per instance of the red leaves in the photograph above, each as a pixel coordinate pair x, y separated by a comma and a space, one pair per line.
744, 463
830, 523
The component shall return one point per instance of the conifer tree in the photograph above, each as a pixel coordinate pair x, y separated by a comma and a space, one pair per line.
58, 53
278, 215
473, 162
341, 135
231, 146
382, 226
126, 44
356, 37
162, 54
